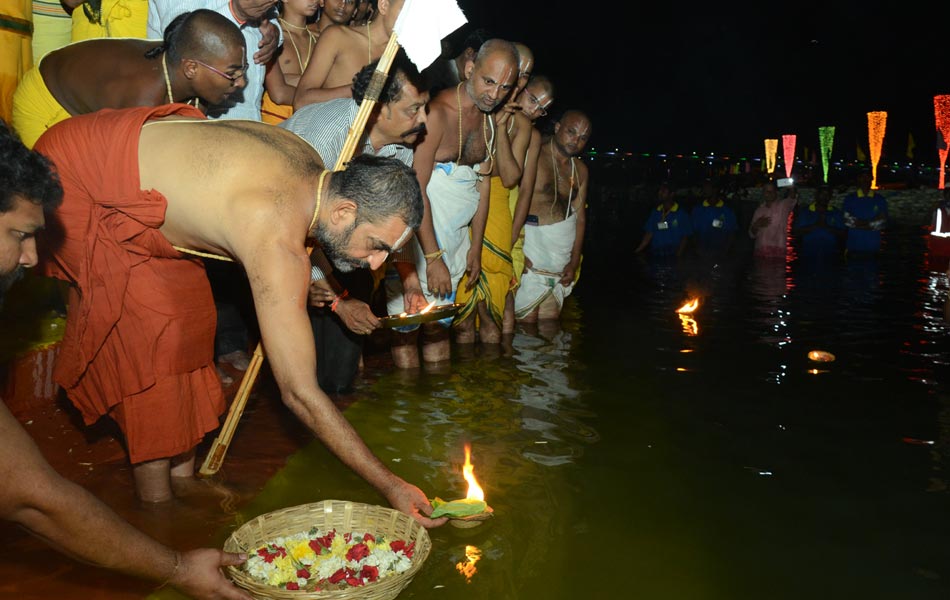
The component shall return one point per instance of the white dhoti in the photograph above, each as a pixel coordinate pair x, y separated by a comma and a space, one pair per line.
548, 247
453, 200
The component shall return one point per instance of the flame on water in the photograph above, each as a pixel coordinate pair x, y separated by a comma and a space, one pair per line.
467, 568
690, 326
689, 306
428, 308
475, 491
877, 125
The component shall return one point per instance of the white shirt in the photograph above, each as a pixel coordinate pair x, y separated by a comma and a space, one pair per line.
163, 12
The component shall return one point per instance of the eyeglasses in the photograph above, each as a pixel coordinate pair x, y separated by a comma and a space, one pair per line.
242, 72
541, 109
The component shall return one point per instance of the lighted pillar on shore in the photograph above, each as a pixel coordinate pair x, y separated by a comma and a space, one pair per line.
771, 150
826, 137
788, 152
877, 123
942, 117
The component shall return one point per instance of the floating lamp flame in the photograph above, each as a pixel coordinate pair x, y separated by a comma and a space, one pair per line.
690, 326
826, 137
689, 307
877, 124
821, 356
470, 511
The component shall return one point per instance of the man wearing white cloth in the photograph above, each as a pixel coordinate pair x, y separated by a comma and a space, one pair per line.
554, 229
452, 164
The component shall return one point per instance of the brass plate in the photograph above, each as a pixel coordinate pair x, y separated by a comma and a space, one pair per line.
437, 312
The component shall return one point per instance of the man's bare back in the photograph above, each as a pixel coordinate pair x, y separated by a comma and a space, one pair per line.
104, 73
238, 171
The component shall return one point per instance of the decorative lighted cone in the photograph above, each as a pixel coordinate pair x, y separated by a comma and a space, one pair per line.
771, 151
475, 497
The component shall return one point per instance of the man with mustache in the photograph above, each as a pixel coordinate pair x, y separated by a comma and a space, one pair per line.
35, 496
392, 129
453, 163
147, 191
554, 228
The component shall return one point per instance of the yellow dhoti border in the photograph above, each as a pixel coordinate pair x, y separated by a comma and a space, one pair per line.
494, 281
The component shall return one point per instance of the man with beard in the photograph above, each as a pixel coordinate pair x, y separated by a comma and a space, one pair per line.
124, 72
554, 228
146, 190
392, 128
453, 163
35, 496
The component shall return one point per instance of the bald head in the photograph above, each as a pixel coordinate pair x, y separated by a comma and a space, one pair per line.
525, 65
491, 77
572, 132
201, 34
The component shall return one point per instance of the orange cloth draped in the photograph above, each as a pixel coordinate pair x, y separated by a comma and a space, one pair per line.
274, 113
141, 319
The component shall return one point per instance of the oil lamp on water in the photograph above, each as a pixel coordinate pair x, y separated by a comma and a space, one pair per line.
685, 312
470, 511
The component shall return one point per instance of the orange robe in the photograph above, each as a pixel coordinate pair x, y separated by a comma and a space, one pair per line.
140, 325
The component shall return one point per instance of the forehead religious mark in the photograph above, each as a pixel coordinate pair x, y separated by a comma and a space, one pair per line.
402, 239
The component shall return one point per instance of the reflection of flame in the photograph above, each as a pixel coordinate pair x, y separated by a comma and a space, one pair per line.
468, 471
689, 306
690, 326
472, 553
821, 356
428, 308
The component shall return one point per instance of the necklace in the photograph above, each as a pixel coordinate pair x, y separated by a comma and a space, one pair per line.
316, 209
485, 125
302, 63
168, 81
369, 39
168, 85
557, 176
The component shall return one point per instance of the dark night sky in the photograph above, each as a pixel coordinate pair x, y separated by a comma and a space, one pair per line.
680, 78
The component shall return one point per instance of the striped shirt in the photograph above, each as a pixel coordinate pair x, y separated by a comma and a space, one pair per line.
163, 12
325, 126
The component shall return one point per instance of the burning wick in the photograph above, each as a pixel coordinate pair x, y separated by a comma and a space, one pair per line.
821, 356
475, 491
689, 307
428, 308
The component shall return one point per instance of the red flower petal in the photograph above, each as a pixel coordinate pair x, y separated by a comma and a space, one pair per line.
337, 577
357, 552
370, 572
397, 545
292, 585
369, 538
303, 573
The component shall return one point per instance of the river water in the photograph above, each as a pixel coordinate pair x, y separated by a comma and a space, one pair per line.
630, 453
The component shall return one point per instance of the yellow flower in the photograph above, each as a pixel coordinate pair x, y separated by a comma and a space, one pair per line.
301, 550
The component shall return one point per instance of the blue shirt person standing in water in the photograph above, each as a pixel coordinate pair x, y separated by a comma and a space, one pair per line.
668, 227
714, 222
865, 215
819, 227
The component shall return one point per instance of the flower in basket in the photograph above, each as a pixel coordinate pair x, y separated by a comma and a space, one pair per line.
317, 560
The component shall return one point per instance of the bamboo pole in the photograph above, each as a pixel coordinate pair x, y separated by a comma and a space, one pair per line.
219, 448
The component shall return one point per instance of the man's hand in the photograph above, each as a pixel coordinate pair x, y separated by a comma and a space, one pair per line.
409, 499
414, 300
357, 316
200, 577
473, 266
268, 43
321, 294
505, 114
438, 278
567, 275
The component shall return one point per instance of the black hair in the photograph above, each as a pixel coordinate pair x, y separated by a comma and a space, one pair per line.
381, 188
26, 174
93, 11
401, 71
203, 34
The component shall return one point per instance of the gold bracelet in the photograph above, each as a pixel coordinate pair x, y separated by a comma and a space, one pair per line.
433, 255
174, 571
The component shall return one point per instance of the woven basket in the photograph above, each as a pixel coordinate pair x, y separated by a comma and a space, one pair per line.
330, 514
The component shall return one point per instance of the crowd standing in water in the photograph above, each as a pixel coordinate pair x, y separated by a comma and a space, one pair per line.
204, 147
